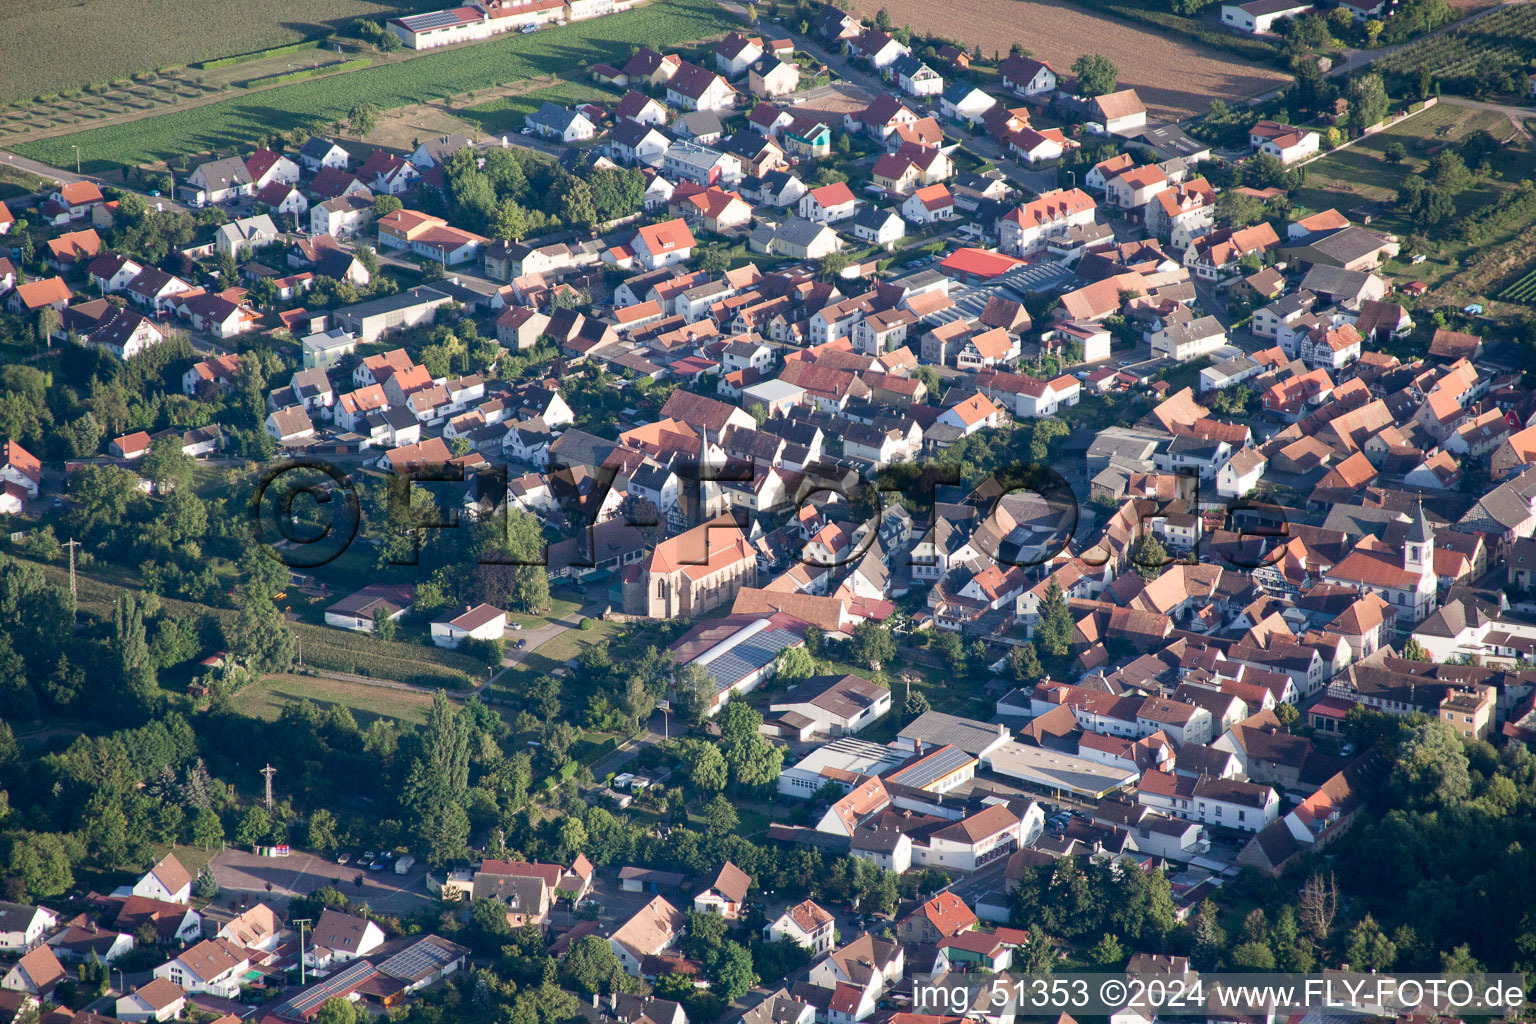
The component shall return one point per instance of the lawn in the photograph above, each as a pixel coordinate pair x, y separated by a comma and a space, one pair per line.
50, 46
1361, 175
505, 116
267, 699
234, 123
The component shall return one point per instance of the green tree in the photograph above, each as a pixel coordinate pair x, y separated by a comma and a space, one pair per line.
832, 265
1053, 627
385, 205
207, 829
255, 827
363, 118
872, 645
752, 760
714, 262
1429, 764
796, 664
1109, 952
733, 975
1036, 954
720, 816
1024, 664
336, 1010
1253, 956
41, 864
914, 705
322, 831
1368, 101
511, 221
438, 781
1149, 557
137, 682
1096, 74
590, 966
1369, 948
694, 689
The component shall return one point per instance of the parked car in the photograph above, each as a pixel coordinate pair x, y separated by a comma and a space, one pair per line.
343, 857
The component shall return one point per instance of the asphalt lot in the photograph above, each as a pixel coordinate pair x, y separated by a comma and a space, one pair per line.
241, 873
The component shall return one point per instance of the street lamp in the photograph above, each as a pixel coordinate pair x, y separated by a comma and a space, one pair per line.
121, 980
77, 157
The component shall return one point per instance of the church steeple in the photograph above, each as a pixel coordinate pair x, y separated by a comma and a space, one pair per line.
1419, 543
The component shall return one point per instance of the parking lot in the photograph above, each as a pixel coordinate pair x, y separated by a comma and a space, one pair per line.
241, 873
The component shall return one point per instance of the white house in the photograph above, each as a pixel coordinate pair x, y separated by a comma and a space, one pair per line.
1192, 339
556, 122
339, 938
1241, 473
1026, 76
652, 930
829, 204
1284, 142
247, 233
663, 245
726, 894
162, 999
167, 881
929, 204
23, 926
1260, 16
965, 102
213, 966
805, 924
482, 622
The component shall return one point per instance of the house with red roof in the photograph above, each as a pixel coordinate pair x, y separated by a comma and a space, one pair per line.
1026, 76
943, 916
28, 298
929, 204
20, 468
972, 414
1027, 229
265, 167
662, 245
282, 197
693, 87
829, 204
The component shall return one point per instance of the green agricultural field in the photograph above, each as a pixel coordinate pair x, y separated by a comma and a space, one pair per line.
267, 699
48, 46
1522, 291
1491, 54
234, 123
505, 116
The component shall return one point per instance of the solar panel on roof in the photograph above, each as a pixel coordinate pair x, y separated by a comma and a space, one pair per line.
417, 961
343, 982
749, 656
933, 768
430, 20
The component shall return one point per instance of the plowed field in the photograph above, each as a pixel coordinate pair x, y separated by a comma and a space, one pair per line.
1174, 78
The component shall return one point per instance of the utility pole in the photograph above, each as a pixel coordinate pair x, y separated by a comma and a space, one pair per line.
269, 771
74, 593
301, 922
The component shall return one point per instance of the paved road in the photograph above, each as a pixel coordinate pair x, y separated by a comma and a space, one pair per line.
535, 638
63, 177
239, 872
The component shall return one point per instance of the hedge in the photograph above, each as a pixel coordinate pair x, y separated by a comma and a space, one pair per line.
275, 51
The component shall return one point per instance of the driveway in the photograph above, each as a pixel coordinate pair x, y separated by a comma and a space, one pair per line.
244, 874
